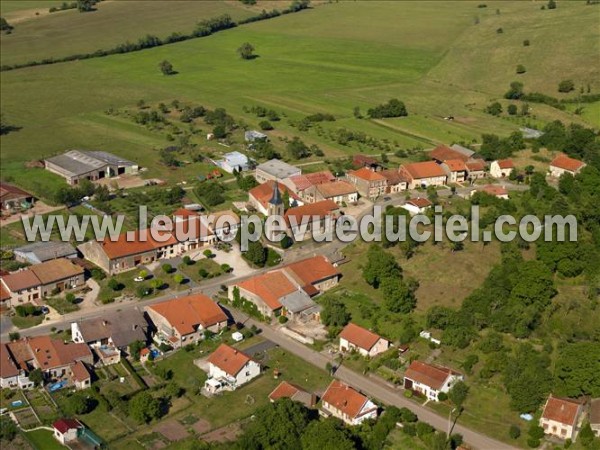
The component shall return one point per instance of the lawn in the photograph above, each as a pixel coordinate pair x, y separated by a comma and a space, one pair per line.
327, 64
27, 322
62, 305
192, 271
43, 439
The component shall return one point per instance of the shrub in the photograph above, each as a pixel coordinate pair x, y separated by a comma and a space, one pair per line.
187, 260
282, 319
114, 284
442, 396
512, 110
167, 268
499, 31
203, 273
533, 443
514, 432
70, 297
526, 43
566, 86
521, 69
265, 125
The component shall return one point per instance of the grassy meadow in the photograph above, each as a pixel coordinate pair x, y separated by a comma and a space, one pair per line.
317, 60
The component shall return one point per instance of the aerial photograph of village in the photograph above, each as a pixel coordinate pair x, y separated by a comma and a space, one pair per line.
300, 224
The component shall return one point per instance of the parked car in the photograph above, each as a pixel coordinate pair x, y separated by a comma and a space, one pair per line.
45, 310
139, 279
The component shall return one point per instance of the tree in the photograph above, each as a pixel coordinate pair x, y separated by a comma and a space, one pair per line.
8, 429
246, 51
114, 285
144, 408
398, 297
515, 92
526, 43
324, 434
36, 377
566, 86
514, 432
278, 425
256, 254
512, 110
85, 5
166, 68
174, 390
178, 278
521, 69
219, 131
393, 108
265, 125
4, 25
586, 435
70, 297
135, 348
79, 403
577, 370
144, 273
167, 268
458, 394
551, 4
207, 253
380, 265
297, 149
334, 313
495, 109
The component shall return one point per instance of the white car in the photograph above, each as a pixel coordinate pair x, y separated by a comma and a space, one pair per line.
139, 279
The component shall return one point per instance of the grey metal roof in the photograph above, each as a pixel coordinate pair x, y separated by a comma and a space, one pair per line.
45, 251
78, 162
464, 150
123, 327
279, 169
297, 301
253, 135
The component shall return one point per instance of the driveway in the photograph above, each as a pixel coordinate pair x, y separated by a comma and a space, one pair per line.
261, 347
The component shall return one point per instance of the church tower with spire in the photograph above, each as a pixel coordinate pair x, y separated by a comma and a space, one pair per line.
276, 206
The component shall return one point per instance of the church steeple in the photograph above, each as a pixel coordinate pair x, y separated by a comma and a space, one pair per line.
276, 197
276, 206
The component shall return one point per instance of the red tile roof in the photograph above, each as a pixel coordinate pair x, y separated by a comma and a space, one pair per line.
359, 336
393, 176
10, 192
427, 169
186, 314
263, 192
562, 161
335, 189
306, 212
4, 294
270, 287
56, 270
444, 153
345, 398
228, 359
312, 270
428, 374
302, 182
284, 389
506, 164
126, 247
495, 190
476, 164
563, 410
420, 202
23, 279
456, 165
367, 174
64, 425
80, 372
363, 160
51, 353
8, 368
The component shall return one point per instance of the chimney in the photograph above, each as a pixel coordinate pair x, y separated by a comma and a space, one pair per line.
104, 322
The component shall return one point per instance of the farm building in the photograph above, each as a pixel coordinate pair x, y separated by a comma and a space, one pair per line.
564, 164
368, 183
40, 252
253, 136
13, 198
234, 162
76, 165
423, 174
275, 169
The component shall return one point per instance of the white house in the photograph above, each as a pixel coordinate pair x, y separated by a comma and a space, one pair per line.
561, 417
501, 168
347, 404
563, 164
417, 205
234, 162
229, 368
363, 341
430, 380
66, 430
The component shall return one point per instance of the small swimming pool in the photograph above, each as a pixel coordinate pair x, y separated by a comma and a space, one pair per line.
57, 386
16, 403
155, 353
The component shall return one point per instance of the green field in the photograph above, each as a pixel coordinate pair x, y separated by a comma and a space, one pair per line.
313, 61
